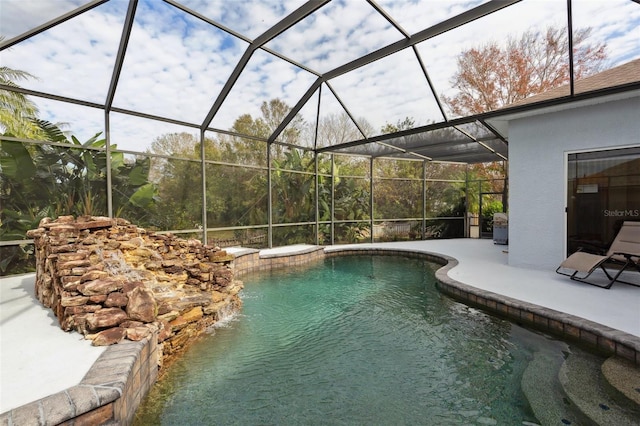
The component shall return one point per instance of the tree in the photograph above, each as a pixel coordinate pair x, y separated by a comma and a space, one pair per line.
67, 177
492, 76
334, 129
17, 111
406, 124
180, 144
237, 149
171, 146
273, 113
393, 197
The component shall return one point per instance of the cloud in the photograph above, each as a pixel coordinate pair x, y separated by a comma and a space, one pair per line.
415, 15
136, 134
248, 17
19, 16
265, 77
440, 53
388, 91
614, 22
74, 59
176, 64
80, 121
337, 33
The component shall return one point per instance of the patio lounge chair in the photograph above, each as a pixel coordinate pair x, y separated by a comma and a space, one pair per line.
623, 254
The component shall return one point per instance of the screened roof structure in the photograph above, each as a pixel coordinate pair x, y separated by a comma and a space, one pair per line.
139, 68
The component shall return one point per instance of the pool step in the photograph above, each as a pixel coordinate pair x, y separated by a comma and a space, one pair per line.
624, 379
589, 392
546, 397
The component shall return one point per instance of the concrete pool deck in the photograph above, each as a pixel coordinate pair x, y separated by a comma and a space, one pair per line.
37, 358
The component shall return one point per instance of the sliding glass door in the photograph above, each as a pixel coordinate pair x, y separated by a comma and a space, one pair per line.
603, 191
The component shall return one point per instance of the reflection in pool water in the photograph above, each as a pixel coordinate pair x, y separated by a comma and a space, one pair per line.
351, 340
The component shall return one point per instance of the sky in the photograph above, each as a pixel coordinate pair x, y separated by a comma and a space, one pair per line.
176, 64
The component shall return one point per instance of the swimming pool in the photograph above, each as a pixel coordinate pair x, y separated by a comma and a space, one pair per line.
357, 340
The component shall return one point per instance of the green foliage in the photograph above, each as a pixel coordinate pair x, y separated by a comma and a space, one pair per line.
47, 180
293, 193
488, 209
397, 189
17, 111
407, 123
352, 232
352, 199
450, 223
163, 189
303, 234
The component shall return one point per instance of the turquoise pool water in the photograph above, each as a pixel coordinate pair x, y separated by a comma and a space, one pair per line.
355, 340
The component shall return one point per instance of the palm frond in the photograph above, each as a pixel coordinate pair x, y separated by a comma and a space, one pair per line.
52, 131
9, 75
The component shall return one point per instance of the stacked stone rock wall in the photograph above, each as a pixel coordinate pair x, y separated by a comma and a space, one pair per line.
111, 280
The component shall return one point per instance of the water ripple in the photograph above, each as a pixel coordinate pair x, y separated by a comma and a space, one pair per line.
361, 340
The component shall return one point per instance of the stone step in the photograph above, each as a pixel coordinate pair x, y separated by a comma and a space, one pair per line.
545, 394
624, 378
588, 391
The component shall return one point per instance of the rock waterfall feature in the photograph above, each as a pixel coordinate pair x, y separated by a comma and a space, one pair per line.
111, 280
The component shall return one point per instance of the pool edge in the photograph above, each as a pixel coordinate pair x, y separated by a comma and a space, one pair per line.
597, 336
104, 397
108, 394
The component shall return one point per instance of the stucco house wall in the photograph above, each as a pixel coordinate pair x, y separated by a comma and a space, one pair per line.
538, 147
